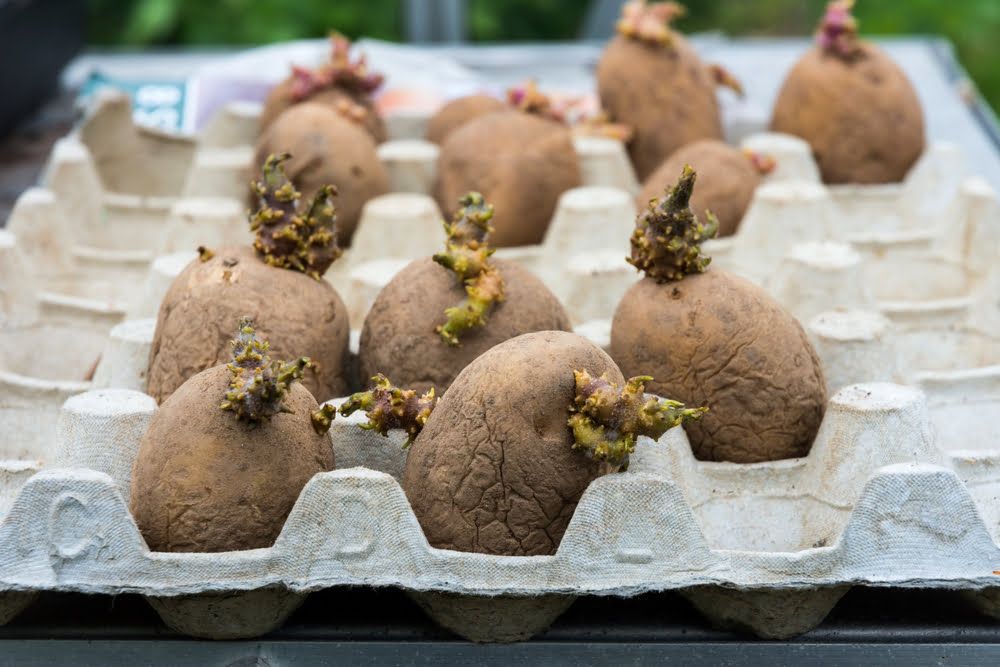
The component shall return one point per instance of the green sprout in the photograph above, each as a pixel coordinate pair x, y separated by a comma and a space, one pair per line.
467, 255
290, 235
607, 422
389, 407
666, 243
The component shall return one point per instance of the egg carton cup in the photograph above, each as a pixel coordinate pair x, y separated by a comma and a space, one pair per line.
766, 547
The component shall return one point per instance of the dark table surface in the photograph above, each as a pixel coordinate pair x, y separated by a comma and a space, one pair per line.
361, 626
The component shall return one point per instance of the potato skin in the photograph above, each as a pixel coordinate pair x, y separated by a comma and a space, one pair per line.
862, 119
667, 95
327, 149
206, 481
297, 315
493, 470
715, 339
458, 112
280, 100
726, 181
520, 162
398, 337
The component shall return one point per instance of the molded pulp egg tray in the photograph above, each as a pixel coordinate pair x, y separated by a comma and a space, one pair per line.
900, 489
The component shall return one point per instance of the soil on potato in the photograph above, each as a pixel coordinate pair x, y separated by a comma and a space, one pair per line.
327, 149
726, 181
297, 315
399, 340
521, 163
458, 112
493, 471
715, 339
862, 119
207, 481
280, 100
667, 96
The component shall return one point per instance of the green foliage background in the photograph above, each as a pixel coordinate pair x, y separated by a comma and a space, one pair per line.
972, 25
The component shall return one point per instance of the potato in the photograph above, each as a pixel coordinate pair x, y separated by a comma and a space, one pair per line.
665, 93
280, 100
207, 481
459, 111
711, 339
301, 315
717, 340
399, 337
327, 148
494, 469
519, 161
861, 116
342, 83
727, 180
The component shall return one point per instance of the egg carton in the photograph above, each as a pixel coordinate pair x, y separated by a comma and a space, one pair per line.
965, 432
766, 547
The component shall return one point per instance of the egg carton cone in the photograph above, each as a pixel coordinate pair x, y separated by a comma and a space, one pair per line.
50, 344
766, 547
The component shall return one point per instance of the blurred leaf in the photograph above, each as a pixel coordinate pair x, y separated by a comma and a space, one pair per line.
151, 20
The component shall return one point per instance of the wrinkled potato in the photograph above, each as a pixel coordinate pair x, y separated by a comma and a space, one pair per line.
205, 481
326, 149
718, 340
861, 117
519, 161
666, 94
458, 112
301, 315
493, 470
399, 337
726, 181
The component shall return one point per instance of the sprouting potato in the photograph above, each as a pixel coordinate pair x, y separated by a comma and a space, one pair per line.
727, 179
341, 84
277, 281
458, 112
327, 147
438, 314
521, 159
650, 79
225, 457
711, 338
853, 104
